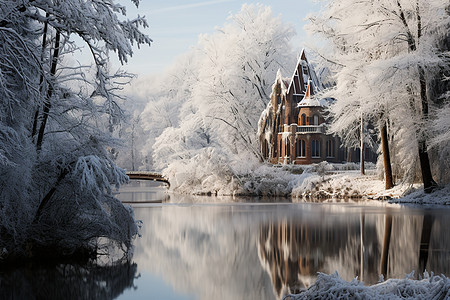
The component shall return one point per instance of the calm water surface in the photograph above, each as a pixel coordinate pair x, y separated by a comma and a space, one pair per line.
195, 248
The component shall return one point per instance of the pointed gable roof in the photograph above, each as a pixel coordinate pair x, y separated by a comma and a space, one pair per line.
302, 73
309, 99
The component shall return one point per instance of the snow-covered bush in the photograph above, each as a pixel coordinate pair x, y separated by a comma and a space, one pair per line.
334, 287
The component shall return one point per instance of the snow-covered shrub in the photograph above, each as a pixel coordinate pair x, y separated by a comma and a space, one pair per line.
334, 287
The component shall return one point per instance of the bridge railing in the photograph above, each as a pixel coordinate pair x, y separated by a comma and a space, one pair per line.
146, 175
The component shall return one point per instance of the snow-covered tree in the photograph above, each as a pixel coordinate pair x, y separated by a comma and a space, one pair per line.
57, 173
386, 56
233, 71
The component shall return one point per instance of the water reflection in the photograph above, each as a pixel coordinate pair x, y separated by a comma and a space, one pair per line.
67, 281
142, 191
292, 252
250, 251
194, 249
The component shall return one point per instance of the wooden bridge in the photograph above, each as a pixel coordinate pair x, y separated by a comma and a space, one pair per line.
146, 175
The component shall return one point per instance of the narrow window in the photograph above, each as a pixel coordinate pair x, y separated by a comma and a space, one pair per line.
288, 148
281, 149
303, 120
266, 149
300, 148
315, 148
316, 120
330, 148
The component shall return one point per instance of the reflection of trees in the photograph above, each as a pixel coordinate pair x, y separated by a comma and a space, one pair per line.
67, 281
293, 250
417, 242
427, 225
292, 253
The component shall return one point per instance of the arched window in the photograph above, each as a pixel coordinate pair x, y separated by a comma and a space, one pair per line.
316, 120
303, 122
330, 148
315, 148
300, 148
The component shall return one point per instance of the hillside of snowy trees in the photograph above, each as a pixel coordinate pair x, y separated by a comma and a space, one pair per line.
57, 121
390, 65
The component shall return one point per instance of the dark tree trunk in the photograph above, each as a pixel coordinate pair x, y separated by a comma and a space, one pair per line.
41, 79
47, 103
49, 195
386, 158
428, 182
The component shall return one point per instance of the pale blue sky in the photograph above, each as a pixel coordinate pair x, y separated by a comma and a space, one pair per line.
174, 26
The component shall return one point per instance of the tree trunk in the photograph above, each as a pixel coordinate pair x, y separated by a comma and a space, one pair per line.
47, 103
386, 158
41, 79
49, 195
428, 182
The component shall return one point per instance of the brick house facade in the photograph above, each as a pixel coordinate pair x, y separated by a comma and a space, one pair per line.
292, 129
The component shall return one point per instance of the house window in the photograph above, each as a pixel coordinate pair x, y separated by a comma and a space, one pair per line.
300, 148
288, 148
281, 148
303, 122
305, 70
316, 120
265, 149
330, 148
315, 148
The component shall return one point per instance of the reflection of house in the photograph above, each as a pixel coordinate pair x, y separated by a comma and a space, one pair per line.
292, 252
292, 128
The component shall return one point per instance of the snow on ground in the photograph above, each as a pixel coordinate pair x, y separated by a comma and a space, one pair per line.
350, 184
322, 182
334, 287
329, 182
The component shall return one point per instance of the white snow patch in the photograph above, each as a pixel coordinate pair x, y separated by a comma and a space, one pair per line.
334, 287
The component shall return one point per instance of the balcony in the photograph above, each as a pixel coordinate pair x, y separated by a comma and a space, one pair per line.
310, 129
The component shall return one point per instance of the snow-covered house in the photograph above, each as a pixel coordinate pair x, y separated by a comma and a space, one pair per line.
292, 127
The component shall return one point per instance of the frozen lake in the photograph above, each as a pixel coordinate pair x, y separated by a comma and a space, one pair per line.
195, 248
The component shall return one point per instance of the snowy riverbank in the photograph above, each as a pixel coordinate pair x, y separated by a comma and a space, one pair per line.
320, 182
334, 287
